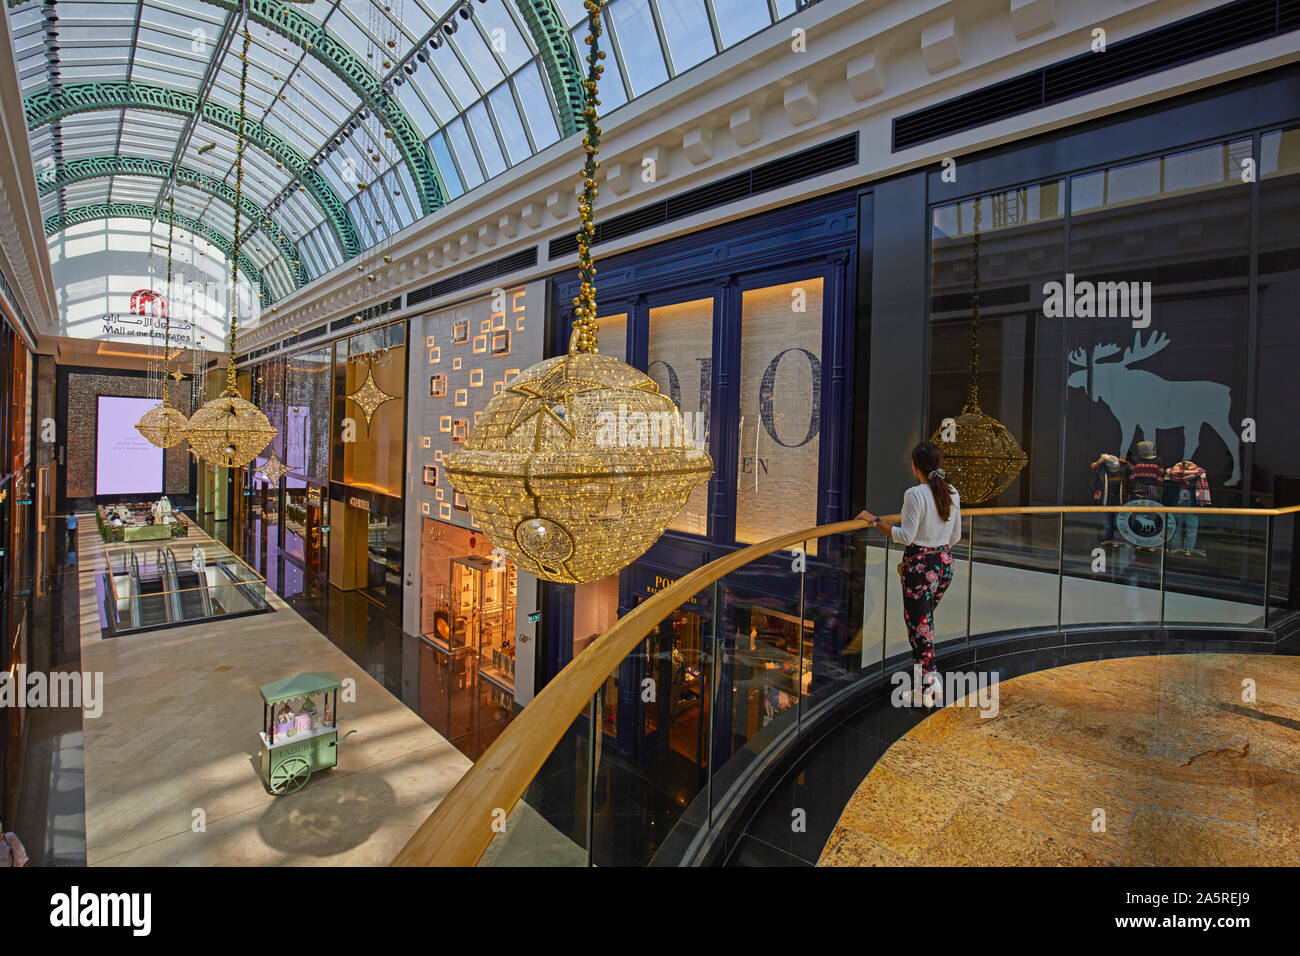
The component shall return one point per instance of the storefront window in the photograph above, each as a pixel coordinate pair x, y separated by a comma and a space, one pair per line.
780, 409
372, 375
1276, 452
1158, 325
681, 362
612, 339
1021, 249
468, 600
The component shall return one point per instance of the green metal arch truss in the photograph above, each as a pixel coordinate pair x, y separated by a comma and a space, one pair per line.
137, 210
562, 67
316, 39
57, 102
100, 167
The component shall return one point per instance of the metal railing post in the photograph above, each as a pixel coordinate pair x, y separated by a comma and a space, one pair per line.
1268, 566
803, 578
1060, 572
970, 578
1164, 552
592, 732
713, 694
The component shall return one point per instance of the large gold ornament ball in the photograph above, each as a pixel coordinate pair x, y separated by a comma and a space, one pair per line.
577, 467
163, 426
229, 431
980, 457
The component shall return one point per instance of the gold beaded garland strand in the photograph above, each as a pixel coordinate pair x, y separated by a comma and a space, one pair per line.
584, 322
232, 386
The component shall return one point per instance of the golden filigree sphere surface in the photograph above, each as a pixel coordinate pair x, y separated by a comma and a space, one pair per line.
229, 431
577, 467
980, 456
163, 426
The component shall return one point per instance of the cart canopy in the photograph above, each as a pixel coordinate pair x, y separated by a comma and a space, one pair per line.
299, 685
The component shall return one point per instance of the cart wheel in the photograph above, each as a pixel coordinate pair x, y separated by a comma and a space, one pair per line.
290, 776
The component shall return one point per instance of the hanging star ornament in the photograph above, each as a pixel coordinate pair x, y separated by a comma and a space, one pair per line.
370, 396
274, 469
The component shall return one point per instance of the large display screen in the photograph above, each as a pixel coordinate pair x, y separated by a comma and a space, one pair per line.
125, 464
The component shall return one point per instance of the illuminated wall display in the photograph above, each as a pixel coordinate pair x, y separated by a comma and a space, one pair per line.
470, 352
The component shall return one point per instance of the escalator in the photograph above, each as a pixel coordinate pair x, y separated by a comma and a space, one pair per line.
192, 597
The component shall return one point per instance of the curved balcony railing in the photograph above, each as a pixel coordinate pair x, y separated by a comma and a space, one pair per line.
638, 750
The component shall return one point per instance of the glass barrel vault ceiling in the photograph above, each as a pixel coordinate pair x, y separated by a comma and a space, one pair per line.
372, 114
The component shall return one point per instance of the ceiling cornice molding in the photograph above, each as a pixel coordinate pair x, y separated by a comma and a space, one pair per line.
25, 256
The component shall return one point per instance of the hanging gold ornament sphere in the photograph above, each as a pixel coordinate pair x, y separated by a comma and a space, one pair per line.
229, 431
981, 458
163, 426
577, 467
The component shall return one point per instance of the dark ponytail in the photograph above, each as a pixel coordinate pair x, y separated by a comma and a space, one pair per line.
929, 461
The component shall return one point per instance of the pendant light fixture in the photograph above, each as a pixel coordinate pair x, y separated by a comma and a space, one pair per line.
980, 456
231, 431
549, 475
165, 425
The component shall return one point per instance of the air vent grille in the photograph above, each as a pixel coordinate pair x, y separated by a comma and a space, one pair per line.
524, 259
1215, 31
779, 172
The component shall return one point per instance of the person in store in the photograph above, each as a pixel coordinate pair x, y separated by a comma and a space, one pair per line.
928, 527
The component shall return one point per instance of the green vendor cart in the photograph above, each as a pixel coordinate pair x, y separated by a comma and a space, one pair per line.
299, 737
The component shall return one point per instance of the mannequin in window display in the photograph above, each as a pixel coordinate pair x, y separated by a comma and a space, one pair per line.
1110, 486
1147, 473
1186, 486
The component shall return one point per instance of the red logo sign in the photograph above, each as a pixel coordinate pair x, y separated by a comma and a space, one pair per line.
148, 302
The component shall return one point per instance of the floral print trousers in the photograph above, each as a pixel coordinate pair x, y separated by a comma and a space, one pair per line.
926, 574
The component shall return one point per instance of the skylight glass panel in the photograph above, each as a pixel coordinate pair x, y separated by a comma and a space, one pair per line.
508, 121
690, 38
573, 11
414, 105
434, 93
462, 88
613, 86
470, 43
471, 173
488, 147
634, 29
503, 35
446, 165
740, 19
537, 105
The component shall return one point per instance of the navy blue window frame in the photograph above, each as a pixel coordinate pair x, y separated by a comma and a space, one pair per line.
722, 263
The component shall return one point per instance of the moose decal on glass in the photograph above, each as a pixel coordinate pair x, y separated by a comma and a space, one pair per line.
1142, 401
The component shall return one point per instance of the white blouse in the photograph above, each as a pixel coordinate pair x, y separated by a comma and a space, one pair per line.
920, 524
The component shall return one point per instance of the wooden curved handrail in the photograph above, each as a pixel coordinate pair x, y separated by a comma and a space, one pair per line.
460, 828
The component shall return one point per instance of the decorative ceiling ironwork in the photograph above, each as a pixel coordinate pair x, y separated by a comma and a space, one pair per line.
368, 114
59, 221
97, 167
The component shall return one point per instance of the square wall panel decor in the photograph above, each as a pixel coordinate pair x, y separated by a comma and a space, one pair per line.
480, 343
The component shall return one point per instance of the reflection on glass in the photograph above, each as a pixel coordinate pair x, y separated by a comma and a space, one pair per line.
681, 363
780, 410
1022, 247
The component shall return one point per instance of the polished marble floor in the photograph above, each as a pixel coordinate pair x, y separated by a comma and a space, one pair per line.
171, 773
1171, 760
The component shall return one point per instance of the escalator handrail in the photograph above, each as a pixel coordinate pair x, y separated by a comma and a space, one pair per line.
135, 589
500, 776
175, 612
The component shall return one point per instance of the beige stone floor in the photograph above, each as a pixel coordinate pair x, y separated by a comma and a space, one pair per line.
1186, 771
178, 735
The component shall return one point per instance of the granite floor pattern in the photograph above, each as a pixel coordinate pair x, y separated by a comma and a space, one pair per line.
171, 770
1171, 760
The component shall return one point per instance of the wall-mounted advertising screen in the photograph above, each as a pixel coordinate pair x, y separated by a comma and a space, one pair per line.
124, 462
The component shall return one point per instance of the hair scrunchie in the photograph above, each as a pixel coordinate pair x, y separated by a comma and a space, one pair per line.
937, 473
